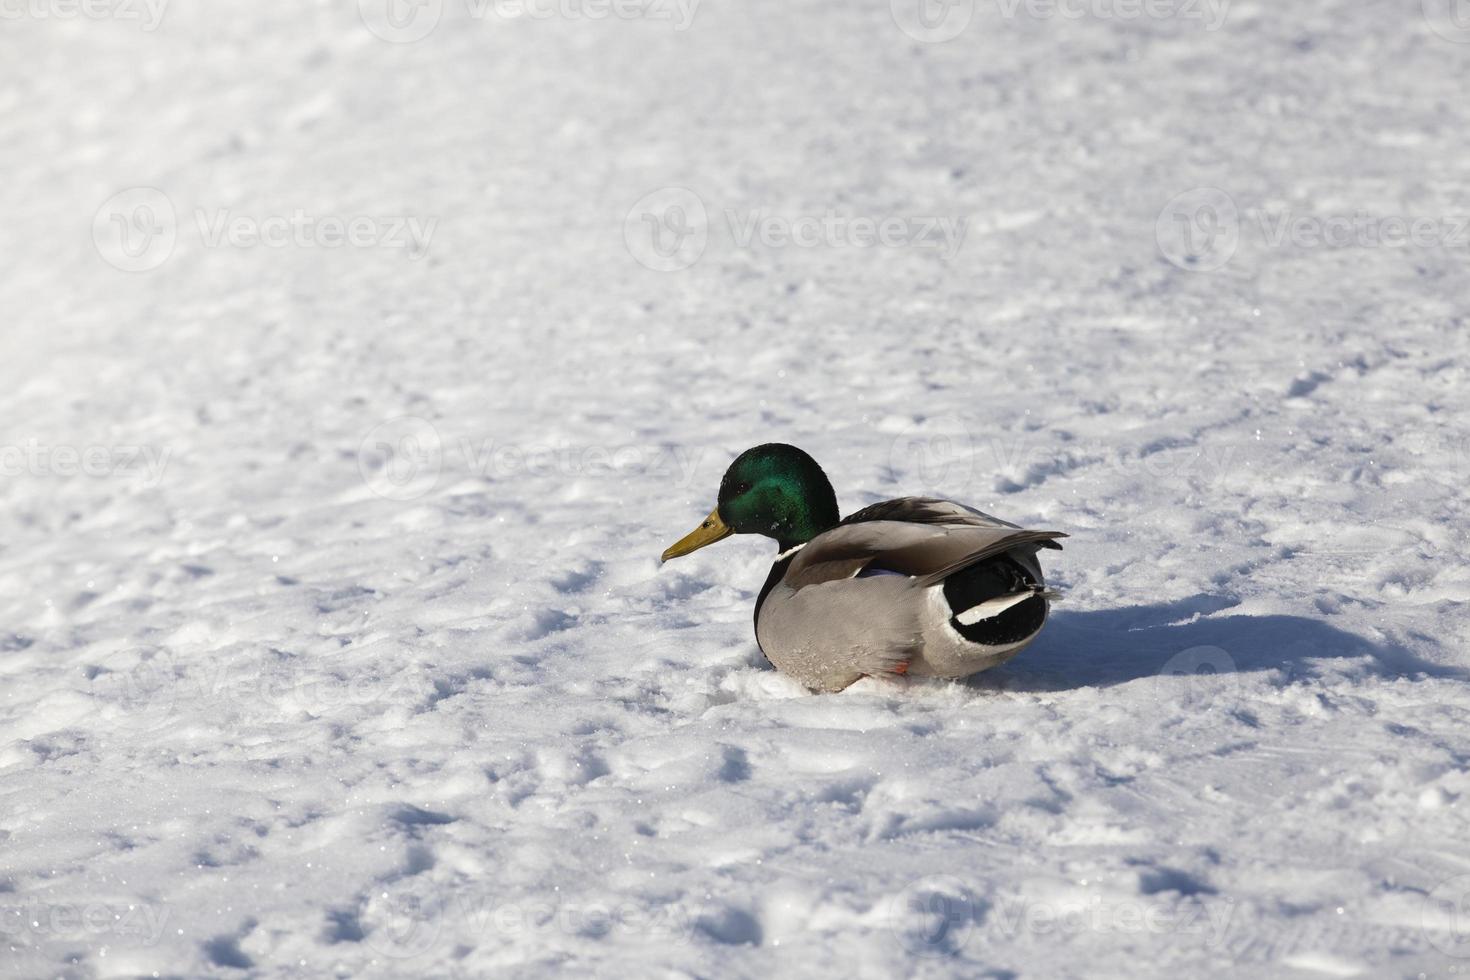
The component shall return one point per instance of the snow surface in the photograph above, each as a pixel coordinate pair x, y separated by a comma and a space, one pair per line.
279, 701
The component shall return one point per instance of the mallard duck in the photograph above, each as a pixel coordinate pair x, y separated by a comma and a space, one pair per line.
914, 586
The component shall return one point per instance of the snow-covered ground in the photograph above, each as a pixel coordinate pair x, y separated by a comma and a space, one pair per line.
352, 384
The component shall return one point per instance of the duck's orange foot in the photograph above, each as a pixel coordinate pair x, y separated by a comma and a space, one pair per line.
901, 668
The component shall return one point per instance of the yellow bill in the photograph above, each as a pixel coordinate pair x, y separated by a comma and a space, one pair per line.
712, 530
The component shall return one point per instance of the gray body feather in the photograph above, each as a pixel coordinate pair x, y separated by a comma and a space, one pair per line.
826, 626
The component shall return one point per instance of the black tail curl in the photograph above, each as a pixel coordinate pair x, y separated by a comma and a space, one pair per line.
992, 579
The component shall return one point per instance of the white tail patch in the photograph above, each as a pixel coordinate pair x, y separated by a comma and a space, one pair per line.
994, 607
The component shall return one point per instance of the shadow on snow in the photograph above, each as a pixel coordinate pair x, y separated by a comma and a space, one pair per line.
1115, 646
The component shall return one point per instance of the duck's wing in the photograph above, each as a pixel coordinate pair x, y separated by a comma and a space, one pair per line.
925, 510
925, 539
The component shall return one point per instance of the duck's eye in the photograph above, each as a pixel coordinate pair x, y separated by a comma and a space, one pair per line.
742, 488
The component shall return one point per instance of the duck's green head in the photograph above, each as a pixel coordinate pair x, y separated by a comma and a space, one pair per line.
776, 490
